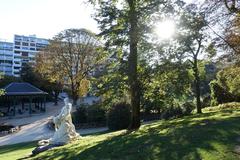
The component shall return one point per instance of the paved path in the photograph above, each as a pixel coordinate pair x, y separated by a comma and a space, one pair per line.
35, 127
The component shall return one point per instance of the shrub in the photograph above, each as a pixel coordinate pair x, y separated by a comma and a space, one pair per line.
118, 116
172, 112
219, 95
187, 108
226, 87
206, 102
80, 115
95, 114
229, 79
231, 105
175, 112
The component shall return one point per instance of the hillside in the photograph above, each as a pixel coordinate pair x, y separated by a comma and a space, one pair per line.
212, 135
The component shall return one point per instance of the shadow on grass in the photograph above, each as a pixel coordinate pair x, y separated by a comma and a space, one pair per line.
21, 146
97, 133
180, 143
205, 139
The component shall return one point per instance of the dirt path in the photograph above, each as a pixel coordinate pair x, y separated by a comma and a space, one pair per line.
38, 131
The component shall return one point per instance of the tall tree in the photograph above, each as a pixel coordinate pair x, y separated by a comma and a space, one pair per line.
192, 39
132, 64
123, 24
70, 57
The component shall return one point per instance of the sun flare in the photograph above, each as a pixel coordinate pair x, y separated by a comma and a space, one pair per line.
165, 29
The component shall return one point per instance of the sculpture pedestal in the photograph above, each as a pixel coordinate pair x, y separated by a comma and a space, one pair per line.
44, 148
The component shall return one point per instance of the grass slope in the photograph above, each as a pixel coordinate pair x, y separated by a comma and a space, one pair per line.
16, 151
210, 136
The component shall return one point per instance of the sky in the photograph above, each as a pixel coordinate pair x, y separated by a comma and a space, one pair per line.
44, 18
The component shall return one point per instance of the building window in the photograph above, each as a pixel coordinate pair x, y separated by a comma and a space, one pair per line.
32, 44
18, 38
16, 67
39, 49
32, 49
25, 60
32, 40
6, 61
32, 59
17, 43
17, 52
25, 54
17, 57
6, 47
24, 44
25, 39
8, 56
17, 47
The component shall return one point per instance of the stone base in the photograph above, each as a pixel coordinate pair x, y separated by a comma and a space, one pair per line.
44, 148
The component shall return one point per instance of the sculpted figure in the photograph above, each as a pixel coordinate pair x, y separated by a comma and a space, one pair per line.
64, 129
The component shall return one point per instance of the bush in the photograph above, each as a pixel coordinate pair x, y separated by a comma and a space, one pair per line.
219, 95
80, 115
231, 105
187, 108
172, 112
176, 112
226, 87
206, 101
118, 116
93, 114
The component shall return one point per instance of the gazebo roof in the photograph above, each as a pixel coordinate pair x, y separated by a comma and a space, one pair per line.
21, 89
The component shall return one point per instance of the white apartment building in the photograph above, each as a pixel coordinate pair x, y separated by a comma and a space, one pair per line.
6, 58
25, 50
13, 56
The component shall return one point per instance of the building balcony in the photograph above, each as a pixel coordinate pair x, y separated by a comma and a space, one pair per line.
17, 59
17, 65
5, 64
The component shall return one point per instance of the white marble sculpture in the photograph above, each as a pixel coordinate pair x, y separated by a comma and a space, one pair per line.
64, 129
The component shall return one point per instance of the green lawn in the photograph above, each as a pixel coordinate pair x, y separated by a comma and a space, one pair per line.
210, 136
16, 151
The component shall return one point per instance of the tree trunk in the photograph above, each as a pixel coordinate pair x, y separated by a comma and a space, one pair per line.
132, 64
56, 93
74, 92
74, 97
197, 85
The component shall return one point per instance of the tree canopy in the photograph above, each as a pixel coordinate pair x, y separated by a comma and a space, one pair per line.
70, 58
